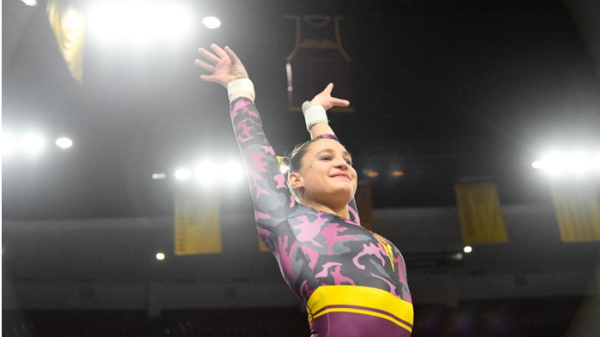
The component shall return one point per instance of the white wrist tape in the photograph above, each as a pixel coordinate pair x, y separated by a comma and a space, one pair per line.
313, 114
242, 84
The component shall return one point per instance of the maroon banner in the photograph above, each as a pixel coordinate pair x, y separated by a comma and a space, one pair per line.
317, 60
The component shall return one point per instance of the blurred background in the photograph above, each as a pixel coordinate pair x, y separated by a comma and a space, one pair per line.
474, 130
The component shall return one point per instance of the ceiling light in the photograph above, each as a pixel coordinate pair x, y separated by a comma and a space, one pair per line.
211, 22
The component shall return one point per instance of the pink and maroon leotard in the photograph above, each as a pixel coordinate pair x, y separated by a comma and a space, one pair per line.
352, 281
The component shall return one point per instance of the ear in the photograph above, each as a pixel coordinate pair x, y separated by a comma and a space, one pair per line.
295, 180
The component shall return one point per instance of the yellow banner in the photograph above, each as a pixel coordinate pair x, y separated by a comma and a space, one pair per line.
577, 211
365, 206
197, 229
68, 26
480, 214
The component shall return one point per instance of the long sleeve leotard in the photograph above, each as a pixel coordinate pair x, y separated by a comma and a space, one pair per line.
352, 281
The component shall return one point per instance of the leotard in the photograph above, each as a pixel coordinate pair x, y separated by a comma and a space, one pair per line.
352, 281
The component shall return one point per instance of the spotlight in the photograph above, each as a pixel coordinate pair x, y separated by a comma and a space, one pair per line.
31, 3
211, 22
32, 143
139, 22
9, 145
577, 164
159, 176
538, 164
65, 143
160, 256
207, 173
232, 172
580, 163
183, 174
468, 249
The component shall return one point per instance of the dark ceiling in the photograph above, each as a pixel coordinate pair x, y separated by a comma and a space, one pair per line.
445, 91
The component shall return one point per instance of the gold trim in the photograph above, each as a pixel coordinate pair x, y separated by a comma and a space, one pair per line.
365, 312
297, 46
361, 296
339, 39
326, 20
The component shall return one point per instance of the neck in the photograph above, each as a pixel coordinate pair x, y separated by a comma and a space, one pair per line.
341, 211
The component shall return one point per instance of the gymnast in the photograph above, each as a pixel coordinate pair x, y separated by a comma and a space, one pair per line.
351, 280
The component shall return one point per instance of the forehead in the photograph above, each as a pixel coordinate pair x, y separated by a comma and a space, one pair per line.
326, 144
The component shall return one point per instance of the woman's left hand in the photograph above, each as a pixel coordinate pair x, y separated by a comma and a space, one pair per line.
326, 101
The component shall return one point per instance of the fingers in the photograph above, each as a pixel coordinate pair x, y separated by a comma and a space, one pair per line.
219, 51
328, 88
339, 102
208, 55
205, 66
207, 78
232, 56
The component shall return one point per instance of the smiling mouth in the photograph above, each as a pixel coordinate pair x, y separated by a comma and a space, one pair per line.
345, 176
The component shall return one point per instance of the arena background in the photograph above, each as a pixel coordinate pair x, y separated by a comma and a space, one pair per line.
445, 92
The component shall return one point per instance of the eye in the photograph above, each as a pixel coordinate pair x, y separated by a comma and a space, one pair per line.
349, 162
326, 158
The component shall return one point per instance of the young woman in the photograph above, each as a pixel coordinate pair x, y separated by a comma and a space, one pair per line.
352, 281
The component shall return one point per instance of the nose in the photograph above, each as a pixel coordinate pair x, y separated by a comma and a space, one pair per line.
341, 164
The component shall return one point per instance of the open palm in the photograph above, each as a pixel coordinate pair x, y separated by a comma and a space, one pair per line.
225, 66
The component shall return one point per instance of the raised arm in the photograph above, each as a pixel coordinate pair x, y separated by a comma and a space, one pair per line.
317, 123
325, 100
270, 195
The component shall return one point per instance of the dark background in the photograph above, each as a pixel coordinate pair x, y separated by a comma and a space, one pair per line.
445, 91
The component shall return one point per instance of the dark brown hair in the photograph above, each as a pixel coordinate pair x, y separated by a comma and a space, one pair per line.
295, 162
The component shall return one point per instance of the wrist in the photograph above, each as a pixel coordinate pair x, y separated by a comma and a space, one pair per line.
314, 114
240, 87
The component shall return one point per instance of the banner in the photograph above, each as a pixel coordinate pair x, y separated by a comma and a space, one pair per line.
480, 214
197, 229
318, 59
577, 211
68, 26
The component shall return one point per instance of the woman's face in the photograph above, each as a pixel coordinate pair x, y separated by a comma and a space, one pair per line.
326, 173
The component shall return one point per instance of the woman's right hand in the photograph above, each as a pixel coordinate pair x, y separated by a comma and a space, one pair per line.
225, 67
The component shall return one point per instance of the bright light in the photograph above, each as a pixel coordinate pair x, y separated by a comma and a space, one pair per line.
73, 20
30, 2
9, 145
139, 22
372, 174
32, 143
232, 172
160, 256
211, 22
159, 176
397, 173
468, 249
183, 174
283, 168
65, 143
207, 173
578, 163
555, 163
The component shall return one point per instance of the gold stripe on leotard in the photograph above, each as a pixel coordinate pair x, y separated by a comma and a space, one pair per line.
361, 300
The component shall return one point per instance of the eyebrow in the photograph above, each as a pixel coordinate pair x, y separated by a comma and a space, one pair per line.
333, 151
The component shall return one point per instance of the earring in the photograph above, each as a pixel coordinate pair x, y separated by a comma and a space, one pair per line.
310, 166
